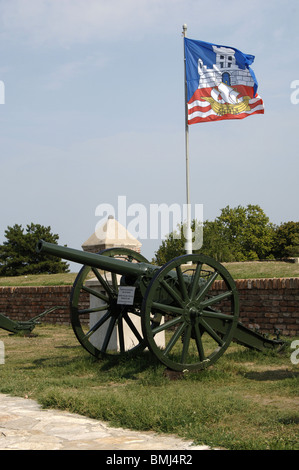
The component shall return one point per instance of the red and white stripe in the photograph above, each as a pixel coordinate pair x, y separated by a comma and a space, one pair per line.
200, 110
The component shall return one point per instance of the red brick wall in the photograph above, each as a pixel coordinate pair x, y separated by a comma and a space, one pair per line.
23, 303
269, 303
264, 303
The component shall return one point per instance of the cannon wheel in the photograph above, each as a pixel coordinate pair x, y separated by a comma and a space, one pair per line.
113, 314
198, 322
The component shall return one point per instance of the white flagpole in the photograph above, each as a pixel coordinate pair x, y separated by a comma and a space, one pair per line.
188, 244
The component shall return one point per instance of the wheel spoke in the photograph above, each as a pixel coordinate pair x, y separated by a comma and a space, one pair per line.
174, 338
103, 282
92, 310
207, 286
167, 308
97, 325
132, 327
195, 280
198, 342
96, 293
182, 283
211, 332
166, 325
121, 335
108, 334
187, 335
176, 297
216, 298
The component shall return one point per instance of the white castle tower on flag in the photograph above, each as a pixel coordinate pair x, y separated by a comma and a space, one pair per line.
225, 70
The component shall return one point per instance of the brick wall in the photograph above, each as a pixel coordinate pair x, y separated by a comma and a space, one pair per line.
264, 303
23, 303
268, 303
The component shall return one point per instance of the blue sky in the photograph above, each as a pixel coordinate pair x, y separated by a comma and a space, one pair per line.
94, 110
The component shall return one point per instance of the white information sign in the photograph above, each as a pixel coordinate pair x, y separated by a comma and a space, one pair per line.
126, 295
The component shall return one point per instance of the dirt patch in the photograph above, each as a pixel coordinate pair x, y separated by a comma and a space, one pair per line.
291, 404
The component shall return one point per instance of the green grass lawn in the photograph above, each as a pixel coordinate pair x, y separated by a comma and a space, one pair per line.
39, 280
247, 400
262, 269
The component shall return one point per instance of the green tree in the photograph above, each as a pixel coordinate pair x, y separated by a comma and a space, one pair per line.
286, 240
18, 256
174, 244
248, 230
171, 247
238, 234
216, 242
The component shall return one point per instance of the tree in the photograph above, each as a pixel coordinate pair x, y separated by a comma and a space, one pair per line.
216, 242
18, 256
171, 247
238, 234
286, 240
249, 231
174, 244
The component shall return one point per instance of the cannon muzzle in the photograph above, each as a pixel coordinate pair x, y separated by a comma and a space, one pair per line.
94, 260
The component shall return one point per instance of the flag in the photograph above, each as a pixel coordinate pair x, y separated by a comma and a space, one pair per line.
220, 83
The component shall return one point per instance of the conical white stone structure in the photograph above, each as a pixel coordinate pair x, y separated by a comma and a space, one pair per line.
109, 235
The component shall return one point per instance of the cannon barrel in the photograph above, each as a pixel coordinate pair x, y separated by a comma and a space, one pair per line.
95, 260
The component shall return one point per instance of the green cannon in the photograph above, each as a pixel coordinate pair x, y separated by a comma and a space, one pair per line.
24, 327
15, 326
185, 312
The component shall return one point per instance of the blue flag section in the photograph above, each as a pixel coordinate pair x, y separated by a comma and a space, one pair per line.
220, 83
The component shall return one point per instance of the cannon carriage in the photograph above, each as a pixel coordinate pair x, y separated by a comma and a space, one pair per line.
177, 311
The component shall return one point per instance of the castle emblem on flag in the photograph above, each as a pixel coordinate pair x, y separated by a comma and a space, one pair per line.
220, 83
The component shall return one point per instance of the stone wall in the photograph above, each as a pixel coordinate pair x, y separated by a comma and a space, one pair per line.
264, 303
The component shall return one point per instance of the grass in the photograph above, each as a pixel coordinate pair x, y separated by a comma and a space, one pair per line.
262, 269
62, 279
241, 270
247, 400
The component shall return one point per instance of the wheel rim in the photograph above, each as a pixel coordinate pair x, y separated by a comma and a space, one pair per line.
95, 325
198, 322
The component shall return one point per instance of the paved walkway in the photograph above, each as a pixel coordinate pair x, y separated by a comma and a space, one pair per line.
25, 426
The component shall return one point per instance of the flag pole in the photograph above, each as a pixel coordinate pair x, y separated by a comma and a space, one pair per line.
188, 244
